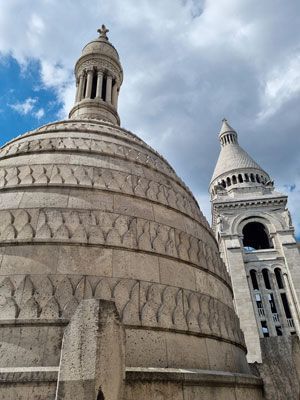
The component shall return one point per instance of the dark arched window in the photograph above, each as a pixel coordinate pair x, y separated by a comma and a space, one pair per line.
265, 274
223, 183
256, 236
246, 178
94, 85
279, 278
257, 178
252, 177
240, 178
234, 180
228, 181
100, 395
254, 279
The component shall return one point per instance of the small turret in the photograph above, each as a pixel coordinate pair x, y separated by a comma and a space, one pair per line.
235, 169
99, 76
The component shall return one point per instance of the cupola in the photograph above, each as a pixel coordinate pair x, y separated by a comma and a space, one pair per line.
235, 169
99, 76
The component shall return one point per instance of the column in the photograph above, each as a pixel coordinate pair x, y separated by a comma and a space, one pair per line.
99, 84
266, 304
79, 89
279, 305
291, 302
89, 83
115, 95
108, 88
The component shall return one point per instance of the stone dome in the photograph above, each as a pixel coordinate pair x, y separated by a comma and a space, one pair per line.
90, 210
102, 47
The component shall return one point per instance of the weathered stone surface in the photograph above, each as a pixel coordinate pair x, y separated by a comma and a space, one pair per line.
93, 354
280, 368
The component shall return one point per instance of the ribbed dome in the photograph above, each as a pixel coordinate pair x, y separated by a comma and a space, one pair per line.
232, 157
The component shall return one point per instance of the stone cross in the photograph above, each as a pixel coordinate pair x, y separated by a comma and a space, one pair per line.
103, 31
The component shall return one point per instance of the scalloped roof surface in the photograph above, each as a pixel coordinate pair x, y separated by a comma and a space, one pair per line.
233, 157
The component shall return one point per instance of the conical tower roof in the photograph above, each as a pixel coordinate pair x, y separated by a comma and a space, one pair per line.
232, 157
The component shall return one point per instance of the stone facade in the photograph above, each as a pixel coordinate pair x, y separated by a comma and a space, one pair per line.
91, 215
256, 238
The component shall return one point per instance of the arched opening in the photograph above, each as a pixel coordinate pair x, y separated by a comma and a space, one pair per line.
246, 178
234, 181
94, 85
265, 274
257, 178
252, 178
240, 178
223, 183
254, 279
279, 279
265, 329
100, 395
103, 92
228, 182
256, 236
272, 303
286, 306
84, 86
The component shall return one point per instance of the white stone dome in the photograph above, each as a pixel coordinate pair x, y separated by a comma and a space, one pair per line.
88, 209
100, 46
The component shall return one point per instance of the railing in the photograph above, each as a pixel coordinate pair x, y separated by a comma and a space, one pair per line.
290, 322
261, 312
275, 317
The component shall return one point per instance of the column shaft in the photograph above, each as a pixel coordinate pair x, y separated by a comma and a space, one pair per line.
79, 89
99, 85
89, 83
115, 95
108, 88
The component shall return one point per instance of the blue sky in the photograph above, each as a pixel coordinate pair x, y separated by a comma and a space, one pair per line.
24, 101
187, 64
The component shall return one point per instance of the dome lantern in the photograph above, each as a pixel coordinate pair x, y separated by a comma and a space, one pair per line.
99, 76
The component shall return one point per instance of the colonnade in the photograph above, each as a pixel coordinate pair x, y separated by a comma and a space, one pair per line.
93, 84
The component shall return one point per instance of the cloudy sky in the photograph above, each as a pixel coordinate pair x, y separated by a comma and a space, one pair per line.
187, 64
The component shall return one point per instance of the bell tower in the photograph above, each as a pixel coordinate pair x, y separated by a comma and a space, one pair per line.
256, 239
99, 76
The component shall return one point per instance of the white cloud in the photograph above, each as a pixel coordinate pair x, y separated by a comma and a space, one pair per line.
282, 84
24, 108
187, 64
28, 107
40, 113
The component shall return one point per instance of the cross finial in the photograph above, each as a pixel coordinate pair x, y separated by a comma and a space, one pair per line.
224, 120
103, 31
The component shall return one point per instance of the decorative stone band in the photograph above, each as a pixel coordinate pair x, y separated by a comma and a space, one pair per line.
109, 229
93, 146
69, 175
97, 127
262, 202
139, 303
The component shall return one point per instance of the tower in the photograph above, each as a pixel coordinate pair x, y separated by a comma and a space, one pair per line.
256, 239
